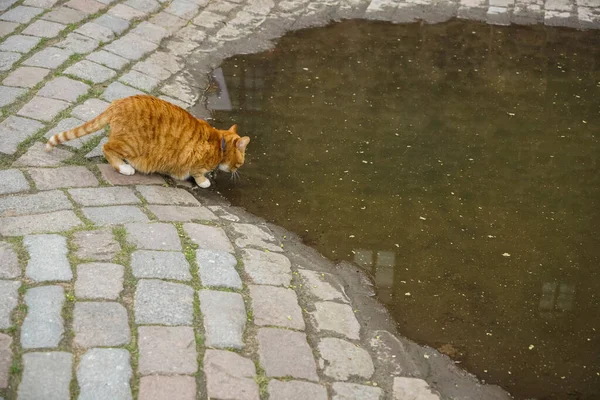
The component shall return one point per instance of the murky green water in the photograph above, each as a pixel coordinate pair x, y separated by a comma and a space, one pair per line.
459, 165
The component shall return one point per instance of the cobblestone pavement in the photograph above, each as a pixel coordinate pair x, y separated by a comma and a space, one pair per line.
115, 287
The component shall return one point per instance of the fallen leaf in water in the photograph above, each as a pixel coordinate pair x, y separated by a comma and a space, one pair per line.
506, 254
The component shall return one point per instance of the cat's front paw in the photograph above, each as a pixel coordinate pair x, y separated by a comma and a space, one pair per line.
126, 169
204, 184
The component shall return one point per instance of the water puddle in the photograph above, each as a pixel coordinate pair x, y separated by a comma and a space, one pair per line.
458, 164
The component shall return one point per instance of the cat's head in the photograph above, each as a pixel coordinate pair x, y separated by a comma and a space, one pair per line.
235, 149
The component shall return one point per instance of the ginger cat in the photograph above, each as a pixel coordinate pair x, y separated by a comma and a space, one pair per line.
153, 135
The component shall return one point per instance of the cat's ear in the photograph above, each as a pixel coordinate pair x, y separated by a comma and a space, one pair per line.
233, 128
242, 143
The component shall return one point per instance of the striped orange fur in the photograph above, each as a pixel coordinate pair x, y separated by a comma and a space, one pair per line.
151, 135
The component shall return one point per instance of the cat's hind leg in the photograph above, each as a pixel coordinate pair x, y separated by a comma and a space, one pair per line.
115, 156
202, 180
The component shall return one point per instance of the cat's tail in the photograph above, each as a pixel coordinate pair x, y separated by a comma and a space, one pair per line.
89, 127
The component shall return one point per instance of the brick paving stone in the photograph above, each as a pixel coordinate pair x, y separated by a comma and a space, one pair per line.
295, 390
116, 215
85, 6
36, 156
145, 6
117, 90
224, 318
43, 325
108, 59
158, 236
181, 213
106, 196
99, 281
183, 9
412, 389
276, 306
208, 237
209, 20
21, 14
47, 258
164, 303
217, 269
167, 350
229, 376
95, 31
41, 223
64, 177
167, 195
26, 77
42, 108
286, 353
5, 359
7, 59
63, 88
156, 387
50, 57
78, 43
34, 203
12, 181
44, 29
252, 235
319, 287
338, 318
64, 15
151, 69
267, 268
99, 245
91, 71
344, 359
9, 95
90, 109
100, 324
19, 43
114, 178
46, 376
125, 12
150, 32
131, 47
160, 264
104, 374
8, 301
140, 81
9, 266
115, 24
7, 28
352, 391
170, 22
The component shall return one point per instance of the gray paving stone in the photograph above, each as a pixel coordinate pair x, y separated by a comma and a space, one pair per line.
7, 28
8, 301
40, 223
45, 4
131, 47
252, 235
158, 236
5, 4
117, 90
164, 303
351, 391
5, 359
108, 59
78, 43
223, 214
7, 59
296, 390
181, 213
266, 268
116, 215
208, 237
317, 284
21, 14
64, 177
170, 22
43, 109
125, 12
140, 81
44, 29
26, 77
167, 350
152, 69
150, 32
222, 7
114, 178
96, 32
344, 360
229, 376
63, 88
100, 324
90, 71
97, 245
64, 15
412, 389
46, 376
36, 156
19, 43
12, 181
160, 264
115, 24
145, 6
104, 374
209, 20
50, 57
167, 195
276, 306
9, 263
338, 318
183, 9
106, 196
99, 281
68, 124
176, 102
43, 325
47, 258
166, 60
90, 109
286, 353
9, 95
86, 6
34, 203
98, 150
224, 318
156, 387
180, 90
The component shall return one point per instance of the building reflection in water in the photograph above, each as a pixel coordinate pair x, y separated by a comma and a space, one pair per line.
381, 265
556, 298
